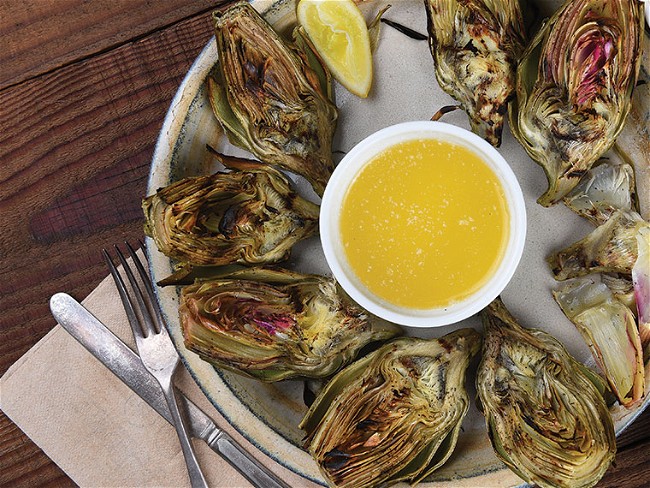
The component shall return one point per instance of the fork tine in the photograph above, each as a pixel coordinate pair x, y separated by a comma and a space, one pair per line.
144, 277
146, 323
124, 296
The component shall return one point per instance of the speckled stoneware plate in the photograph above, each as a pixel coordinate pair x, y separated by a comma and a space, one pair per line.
404, 89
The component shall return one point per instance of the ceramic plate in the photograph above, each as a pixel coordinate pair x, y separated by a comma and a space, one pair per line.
404, 89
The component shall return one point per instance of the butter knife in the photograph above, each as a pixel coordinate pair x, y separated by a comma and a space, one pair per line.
126, 365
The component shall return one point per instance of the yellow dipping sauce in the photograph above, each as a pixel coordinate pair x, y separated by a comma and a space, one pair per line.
424, 224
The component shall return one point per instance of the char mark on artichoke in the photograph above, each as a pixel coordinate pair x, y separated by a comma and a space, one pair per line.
393, 415
475, 45
610, 248
602, 190
546, 418
273, 324
268, 98
574, 86
248, 215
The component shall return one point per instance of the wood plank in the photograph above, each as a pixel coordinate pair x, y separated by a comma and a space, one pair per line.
631, 469
76, 146
16, 472
39, 36
76, 140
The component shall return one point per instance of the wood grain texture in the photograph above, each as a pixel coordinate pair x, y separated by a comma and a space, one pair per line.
75, 162
38, 470
84, 88
631, 468
40, 36
75, 148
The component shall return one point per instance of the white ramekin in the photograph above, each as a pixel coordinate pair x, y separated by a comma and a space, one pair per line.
344, 175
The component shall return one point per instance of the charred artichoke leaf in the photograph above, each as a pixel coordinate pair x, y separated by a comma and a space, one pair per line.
475, 45
269, 99
274, 324
574, 86
394, 414
601, 191
232, 126
547, 421
303, 42
641, 283
609, 329
610, 248
248, 215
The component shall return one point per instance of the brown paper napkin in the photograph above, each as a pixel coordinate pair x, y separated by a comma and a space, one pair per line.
95, 428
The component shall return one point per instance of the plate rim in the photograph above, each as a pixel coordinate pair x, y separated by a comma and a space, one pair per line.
164, 152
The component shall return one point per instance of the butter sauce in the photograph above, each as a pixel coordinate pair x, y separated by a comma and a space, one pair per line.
424, 224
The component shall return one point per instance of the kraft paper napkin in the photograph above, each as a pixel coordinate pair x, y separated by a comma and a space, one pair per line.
95, 428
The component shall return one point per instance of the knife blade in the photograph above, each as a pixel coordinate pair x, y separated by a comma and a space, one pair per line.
126, 365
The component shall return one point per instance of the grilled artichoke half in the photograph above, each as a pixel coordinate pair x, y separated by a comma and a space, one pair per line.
249, 215
611, 247
268, 98
394, 414
475, 45
574, 86
546, 419
609, 329
274, 324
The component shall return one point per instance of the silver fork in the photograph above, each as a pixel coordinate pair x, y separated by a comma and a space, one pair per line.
154, 346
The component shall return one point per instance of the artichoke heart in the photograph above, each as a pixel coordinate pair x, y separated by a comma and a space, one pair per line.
475, 45
574, 88
609, 329
546, 418
611, 247
249, 215
273, 324
393, 415
268, 98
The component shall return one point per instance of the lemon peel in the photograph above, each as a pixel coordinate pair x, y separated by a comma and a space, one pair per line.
338, 31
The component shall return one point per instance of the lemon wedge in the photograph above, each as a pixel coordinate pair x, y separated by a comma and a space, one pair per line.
339, 34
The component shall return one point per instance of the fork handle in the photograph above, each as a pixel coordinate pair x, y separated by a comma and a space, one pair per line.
197, 479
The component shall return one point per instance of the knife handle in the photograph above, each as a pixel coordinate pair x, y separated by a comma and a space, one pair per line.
255, 472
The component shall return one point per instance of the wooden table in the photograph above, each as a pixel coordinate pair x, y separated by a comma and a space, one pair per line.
84, 88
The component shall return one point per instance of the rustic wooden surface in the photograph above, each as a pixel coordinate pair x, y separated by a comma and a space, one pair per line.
84, 88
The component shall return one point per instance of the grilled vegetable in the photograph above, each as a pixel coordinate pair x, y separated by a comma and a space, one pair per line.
602, 190
268, 98
394, 414
275, 324
475, 45
611, 247
574, 85
641, 281
248, 215
546, 419
609, 329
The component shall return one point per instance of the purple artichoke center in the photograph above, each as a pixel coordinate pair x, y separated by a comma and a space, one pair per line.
592, 55
234, 312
